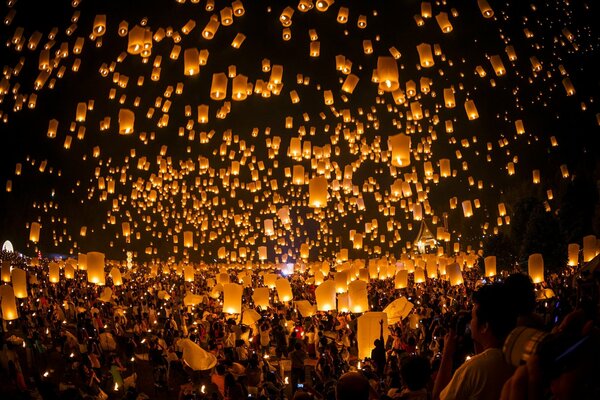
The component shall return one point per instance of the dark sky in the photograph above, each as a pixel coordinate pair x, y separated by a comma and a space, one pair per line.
66, 196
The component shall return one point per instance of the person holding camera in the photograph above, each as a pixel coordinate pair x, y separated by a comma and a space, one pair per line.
483, 375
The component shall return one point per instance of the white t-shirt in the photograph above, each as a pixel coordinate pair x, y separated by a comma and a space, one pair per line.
480, 378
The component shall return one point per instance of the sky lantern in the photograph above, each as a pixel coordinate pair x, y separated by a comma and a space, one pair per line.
358, 300
34, 232
100, 25
425, 55
191, 62
350, 83
69, 271
590, 248
449, 100
232, 298
485, 8
126, 121
573, 254
239, 88
284, 290
369, 330
401, 279
419, 275
568, 85
136, 37
497, 65
325, 296
82, 261
467, 208
261, 297
444, 22
19, 283
9, 303
210, 29
218, 88
387, 71
116, 276
262, 253
53, 272
490, 266
400, 147
454, 274
471, 110
318, 193
535, 267
6, 271
95, 268
341, 281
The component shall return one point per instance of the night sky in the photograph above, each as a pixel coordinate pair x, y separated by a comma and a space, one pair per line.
552, 41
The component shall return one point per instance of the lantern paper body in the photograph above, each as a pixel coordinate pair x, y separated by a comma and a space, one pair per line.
318, 194
343, 304
188, 239
425, 55
69, 271
116, 276
95, 268
196, 357
341, 282
400, 147
261, 297
358, 299
19, 283
305, 308
573, 254
325, 295
387, 71
369, 330
9, 303
126, 121
536, 267
223, 278
6, 271
232, 298
490, 266
590, 248
82, 262
398, 309
34, 232
270, 280
284, 290
455, 274
188, 273
401, 280
53, 272
419, 275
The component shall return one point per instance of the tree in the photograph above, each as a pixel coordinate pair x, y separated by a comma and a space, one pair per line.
502, 247
543, 235
577, 208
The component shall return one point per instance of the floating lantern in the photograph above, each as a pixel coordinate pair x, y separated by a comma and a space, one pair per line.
6, 271
34, 232
444, 22
425, 55
218, 88
126, 121
536, 267
53, 272
100, 25
573, 254
284, 290
400, 147
471, 110
19, 283
369, 330
401, 279
9, 303
467, 208
358, 300
387, 71
261, 297
590, 248
116, 276
95, 268
191, 62
325, 296
485, 8
318, 193
232, 298
490, 266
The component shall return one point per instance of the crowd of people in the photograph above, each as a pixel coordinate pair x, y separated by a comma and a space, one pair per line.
71, 342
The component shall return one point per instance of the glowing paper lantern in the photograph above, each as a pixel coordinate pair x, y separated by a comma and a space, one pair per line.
116, 276
343, 302
387, 71
261, 297
401, 280
454, 273
369, 330
191, 62
590, 248
400, 148
419, 275
425, 55
126, 121
573, 254
232, 298
318, 193
341, 281
444, 22
69, 271
358, 300
490, 266
536, 267
95, 268
350, 83
9, 303
325, 296
471, 110
467, 208
53, 272
6, 271
19, 283
34, 232
284, 290
100, 25
218, 88
82, 261
240, 88
485, 8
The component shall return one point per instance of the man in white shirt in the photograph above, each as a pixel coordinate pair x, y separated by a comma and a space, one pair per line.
483, 375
